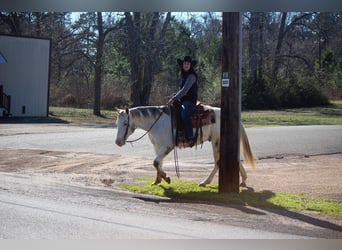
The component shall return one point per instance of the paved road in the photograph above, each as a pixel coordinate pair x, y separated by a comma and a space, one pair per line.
33, 207
265, 141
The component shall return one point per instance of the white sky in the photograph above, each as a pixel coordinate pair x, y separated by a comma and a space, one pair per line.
178, 15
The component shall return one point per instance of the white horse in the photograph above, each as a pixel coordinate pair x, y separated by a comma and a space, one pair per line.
156, 120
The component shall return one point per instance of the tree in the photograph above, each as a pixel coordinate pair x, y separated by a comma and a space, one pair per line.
281, 35
12, 20
98, 65
290, 59
92, 34
254, 89
145, 39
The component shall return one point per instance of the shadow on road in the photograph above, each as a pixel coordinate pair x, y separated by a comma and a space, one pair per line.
15, 120
247, 201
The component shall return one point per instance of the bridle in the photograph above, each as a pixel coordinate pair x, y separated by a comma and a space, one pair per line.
147, 131
126, 131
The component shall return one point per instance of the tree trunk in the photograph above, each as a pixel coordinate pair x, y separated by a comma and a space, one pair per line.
281, 35
149, 59
261, 50
253, 45
144, 53
98, 66
134, 55
255, 86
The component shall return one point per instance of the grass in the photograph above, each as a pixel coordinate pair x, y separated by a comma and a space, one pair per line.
81, 115
329, 115
188, 190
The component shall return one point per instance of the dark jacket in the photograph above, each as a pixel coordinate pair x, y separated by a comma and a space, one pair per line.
191, 95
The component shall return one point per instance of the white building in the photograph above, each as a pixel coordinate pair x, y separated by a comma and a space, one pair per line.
24, 76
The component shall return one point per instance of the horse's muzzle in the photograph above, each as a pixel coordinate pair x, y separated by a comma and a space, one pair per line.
120, 142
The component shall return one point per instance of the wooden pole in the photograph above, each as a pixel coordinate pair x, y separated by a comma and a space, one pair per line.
230, 103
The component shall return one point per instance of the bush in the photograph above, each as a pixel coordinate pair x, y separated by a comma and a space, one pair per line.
296, 93
69, 101
285, 93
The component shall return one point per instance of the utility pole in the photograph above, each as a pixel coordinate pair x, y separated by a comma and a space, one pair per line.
230, 103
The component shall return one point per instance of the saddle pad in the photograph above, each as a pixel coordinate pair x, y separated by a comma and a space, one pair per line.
202, 117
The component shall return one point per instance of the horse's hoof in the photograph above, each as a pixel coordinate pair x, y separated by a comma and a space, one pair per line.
243, 184
202, 184
155, 183
168, 180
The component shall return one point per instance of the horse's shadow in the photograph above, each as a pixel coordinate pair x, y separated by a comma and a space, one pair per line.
247, 201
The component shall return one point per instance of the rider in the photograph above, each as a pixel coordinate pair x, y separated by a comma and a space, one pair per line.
187, 95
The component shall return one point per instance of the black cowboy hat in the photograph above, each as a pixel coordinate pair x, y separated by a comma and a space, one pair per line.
187, 59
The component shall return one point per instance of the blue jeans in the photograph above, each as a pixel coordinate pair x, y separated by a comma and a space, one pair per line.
187, 108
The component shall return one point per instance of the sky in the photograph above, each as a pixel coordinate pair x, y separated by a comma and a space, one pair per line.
178, 15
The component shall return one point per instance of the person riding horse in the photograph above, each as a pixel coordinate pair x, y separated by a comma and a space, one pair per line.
187, 95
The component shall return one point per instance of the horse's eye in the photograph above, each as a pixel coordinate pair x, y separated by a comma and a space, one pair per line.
125, 123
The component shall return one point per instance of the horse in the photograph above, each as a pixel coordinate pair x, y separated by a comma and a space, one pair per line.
156, 121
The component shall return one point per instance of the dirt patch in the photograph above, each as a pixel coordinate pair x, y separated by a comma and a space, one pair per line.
319, 176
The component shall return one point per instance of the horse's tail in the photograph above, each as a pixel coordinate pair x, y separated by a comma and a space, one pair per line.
246, 148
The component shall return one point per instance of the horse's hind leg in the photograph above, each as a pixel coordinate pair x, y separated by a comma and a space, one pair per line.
216, 152
243, 175
158, 162
210, 177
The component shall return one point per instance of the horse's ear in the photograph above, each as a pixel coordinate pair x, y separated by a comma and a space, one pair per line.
127, 111
117, 110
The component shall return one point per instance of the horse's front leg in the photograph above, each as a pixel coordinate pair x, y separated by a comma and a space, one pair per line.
158, 163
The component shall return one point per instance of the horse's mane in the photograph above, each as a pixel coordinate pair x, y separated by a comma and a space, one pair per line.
149, 111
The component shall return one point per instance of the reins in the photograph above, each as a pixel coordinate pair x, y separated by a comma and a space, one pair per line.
147, 131
174, 140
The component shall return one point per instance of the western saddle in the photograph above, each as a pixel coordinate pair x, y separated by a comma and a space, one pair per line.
200, 117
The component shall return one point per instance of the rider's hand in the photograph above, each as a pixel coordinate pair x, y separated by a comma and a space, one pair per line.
170, 102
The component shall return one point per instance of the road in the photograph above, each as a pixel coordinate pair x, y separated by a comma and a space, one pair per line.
35, 208
265, 141
39, 207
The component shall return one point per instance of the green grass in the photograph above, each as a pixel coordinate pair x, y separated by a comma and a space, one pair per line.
79, 115
188, 190
329, 115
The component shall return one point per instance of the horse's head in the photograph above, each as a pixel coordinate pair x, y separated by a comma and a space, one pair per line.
124, 125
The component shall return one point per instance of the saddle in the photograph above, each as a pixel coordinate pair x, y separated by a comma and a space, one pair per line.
201, 116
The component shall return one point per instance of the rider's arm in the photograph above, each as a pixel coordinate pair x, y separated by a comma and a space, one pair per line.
190, 80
